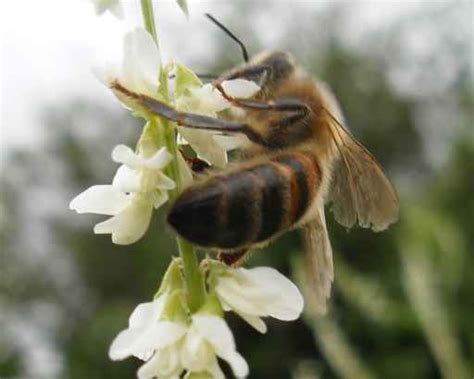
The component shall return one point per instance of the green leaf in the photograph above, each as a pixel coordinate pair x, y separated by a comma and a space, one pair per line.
184, 78
183, 4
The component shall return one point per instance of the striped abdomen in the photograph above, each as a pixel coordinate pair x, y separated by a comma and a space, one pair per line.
247, 206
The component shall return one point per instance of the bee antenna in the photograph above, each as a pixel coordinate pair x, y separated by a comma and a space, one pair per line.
231, 35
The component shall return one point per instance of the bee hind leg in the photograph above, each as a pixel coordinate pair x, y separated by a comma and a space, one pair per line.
234, 259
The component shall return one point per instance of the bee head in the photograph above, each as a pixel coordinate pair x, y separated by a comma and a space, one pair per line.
268, 69
280, 67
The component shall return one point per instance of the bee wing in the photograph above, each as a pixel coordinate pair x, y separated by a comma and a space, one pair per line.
318, 254
360, 192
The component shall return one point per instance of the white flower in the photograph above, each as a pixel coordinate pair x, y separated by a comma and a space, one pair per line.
210, 337
170, 342
113, 6
258, 292
149, 336
165, 363
140, 174
208, 101
138, 187
139, 68
205, 100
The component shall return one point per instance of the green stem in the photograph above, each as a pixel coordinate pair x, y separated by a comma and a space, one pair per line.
193, 277
194, 280
149, 19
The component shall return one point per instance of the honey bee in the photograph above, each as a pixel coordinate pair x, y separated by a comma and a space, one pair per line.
299, 157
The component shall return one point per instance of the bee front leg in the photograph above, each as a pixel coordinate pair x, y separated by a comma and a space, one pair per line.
280, 105
258, 73
292, 126
191, 120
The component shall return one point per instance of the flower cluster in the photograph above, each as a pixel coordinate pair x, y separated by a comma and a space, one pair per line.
174, 333
139, 186
170, 339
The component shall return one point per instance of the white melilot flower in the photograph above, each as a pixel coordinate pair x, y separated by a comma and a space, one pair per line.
258, 292
139, 174
147, 334
170, 341
139, 68
139, 186
113, 6
165, 363
210, 337
208, 101
205, 100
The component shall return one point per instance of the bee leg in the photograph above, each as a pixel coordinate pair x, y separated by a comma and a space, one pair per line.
234, 259
280, 105
203, 77
191, 120
196, 165
258, 73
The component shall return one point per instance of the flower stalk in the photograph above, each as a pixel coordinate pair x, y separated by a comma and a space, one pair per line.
149, 19
194, 280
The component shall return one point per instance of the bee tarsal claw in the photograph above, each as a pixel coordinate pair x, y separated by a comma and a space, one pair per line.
234, 259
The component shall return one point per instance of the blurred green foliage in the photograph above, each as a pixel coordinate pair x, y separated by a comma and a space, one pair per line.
403, 300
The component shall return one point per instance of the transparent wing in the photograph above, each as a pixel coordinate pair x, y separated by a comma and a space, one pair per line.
318, 254
360, 192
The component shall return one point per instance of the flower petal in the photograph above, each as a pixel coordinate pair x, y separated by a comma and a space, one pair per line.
237, 363
287, 301
130, 224
100, 199
120, 348
240, 88
159, 198
196, 353
205, 146
163, 182
141, 62
159, 160
208, 100
116, 9
113, 6
146, 313
185, 173
158, 336
125, 155
213, 371
127, 179
238, 297
106, 73
260, 291
216, 331
142, 342
164, 363
254, 321
230, 142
